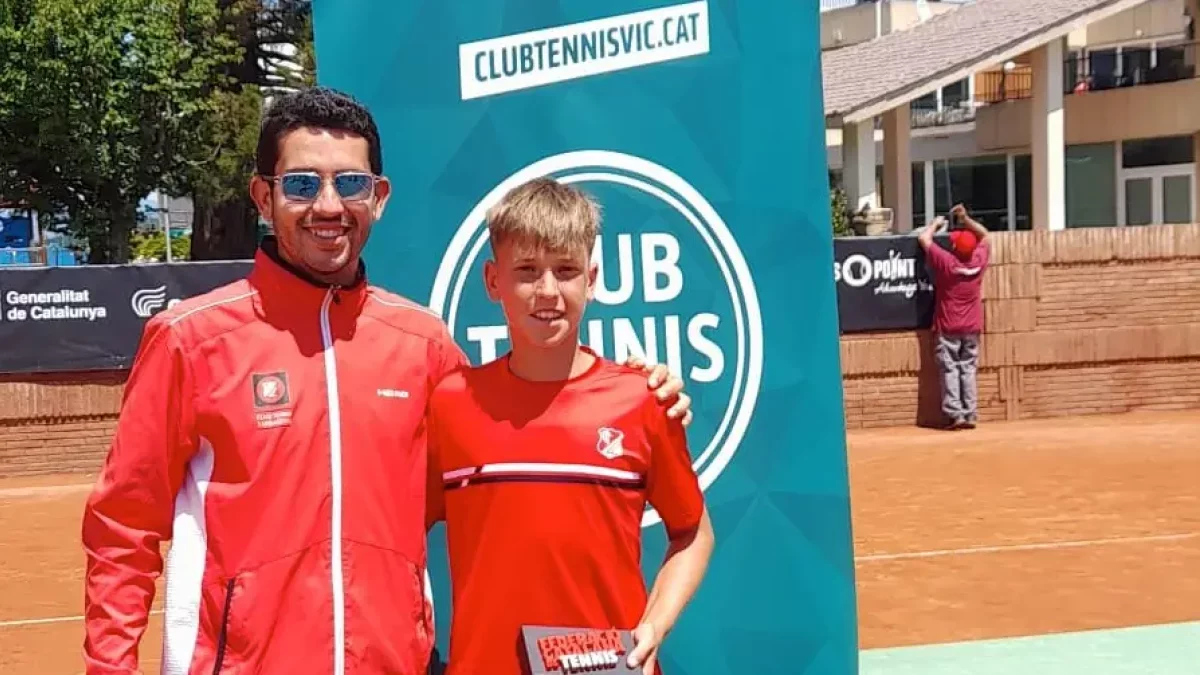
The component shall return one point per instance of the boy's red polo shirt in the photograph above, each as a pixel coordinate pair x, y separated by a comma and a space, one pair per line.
543, 487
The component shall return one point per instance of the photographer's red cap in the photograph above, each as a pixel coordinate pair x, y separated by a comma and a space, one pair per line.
963, 242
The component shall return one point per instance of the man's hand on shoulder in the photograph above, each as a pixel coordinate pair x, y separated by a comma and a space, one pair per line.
668, 388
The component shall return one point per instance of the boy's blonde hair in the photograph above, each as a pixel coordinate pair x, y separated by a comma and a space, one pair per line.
545, 215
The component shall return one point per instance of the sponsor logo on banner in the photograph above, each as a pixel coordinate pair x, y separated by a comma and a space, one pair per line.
895, 274
66, 304
536, 58
673, 287
145, 301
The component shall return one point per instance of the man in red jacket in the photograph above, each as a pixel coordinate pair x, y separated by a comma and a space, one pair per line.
274, 431
958, 312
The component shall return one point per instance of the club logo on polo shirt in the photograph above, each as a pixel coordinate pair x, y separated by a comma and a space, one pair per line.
609, 444
271, 398
673, 287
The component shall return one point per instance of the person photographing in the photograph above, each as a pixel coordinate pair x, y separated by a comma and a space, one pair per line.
958, 310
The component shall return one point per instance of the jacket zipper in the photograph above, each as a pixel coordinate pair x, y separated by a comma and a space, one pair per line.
224, 626
335, 471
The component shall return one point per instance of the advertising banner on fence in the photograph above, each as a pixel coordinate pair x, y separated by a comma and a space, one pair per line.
699, 128
91, 317
882, 284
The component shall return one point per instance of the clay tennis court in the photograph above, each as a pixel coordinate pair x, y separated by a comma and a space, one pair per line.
1013, 529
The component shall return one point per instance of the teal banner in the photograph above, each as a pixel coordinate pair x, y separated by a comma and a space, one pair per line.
699, 128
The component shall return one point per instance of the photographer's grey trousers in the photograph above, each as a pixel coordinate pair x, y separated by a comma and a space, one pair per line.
958, 358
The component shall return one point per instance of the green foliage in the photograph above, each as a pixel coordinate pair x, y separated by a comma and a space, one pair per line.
230, 136
226, 220
104, 101
840, 213
152, 247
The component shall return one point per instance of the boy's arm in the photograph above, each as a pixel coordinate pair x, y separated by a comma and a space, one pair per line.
129, 512
682, 571
674, 491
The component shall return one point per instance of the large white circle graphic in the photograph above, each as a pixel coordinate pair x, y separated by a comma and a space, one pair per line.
665, 185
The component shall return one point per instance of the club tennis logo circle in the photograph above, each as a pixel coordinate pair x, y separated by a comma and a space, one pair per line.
691, 216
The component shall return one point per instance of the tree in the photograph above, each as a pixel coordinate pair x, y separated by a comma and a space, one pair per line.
840, 212
225, 220
275, 52
104, 102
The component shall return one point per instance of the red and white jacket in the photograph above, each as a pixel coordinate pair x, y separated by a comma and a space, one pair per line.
273, 430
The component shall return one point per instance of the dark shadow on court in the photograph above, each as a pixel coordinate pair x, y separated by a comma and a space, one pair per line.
929, 384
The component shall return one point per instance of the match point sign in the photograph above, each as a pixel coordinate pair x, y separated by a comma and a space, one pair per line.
699, 128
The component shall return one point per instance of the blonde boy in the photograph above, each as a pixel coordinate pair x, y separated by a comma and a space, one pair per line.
542, 461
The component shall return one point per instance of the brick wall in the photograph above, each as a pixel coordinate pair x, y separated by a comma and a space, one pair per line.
57, 423
1078, 322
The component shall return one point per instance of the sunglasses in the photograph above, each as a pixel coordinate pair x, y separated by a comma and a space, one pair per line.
304, 186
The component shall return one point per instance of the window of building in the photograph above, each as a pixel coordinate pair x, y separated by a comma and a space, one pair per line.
1157, 179
1023, 180
1103, 66
1161, 151
952, 104
927, 103
1091, 171
979, 183
1175, 62
1136, 63
918, 192
955, 95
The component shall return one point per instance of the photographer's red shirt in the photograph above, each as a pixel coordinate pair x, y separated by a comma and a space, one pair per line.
958, 289
542, 487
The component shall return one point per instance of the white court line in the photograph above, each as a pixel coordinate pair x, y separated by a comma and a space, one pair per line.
1024, 547
862, 558
54, 619
44, 490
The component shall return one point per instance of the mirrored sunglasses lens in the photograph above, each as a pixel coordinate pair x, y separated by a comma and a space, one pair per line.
300, 186
353, 185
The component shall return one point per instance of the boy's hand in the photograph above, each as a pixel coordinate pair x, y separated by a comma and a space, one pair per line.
665, 386
646, 641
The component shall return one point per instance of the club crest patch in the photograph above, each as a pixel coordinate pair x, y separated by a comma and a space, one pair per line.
609, 443
271, 389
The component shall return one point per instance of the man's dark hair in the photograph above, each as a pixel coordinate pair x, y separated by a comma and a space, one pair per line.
318, 108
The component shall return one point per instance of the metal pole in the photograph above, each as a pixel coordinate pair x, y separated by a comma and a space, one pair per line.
165, 214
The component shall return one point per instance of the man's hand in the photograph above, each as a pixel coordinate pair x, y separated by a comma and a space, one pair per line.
646, 641
925, 237
666, 386
964, 218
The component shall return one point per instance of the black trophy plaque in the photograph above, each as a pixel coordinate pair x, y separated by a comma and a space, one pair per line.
559, 650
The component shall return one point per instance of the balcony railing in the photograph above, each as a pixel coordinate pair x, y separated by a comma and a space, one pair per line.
829, 5
996, 86
1097, 71
932, 117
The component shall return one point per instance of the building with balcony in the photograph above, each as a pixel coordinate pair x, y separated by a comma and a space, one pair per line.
1037, 114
